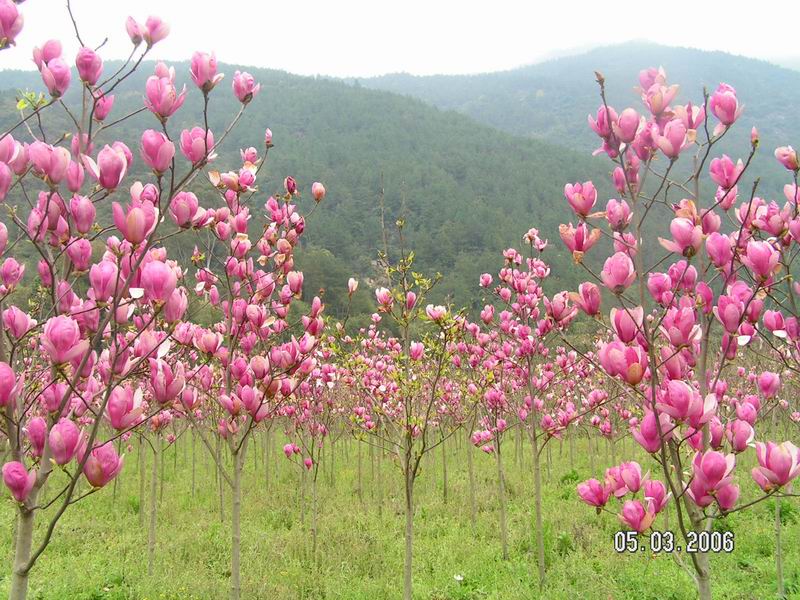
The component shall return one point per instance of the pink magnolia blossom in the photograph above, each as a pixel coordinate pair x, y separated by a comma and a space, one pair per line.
578, 240
197, 145
138, 222
618, 272
154, 30
588, 298
647, 432
158, 281
166, 382
787, 156
778, 464
56, 76
594, 493
627, 323
762, 259
581, 197
204, 71
102, 465
724, 172
110, 168
317, 191
17, 479
11, 22
9, 385
711, 474
161, 95
636, 516
61, 339
673, 139
65, 441
686, 237
724, 105
244, 86
89, 65
183, 208
156, 150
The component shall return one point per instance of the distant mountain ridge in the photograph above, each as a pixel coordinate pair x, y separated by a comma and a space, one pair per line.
550, 100
467, 191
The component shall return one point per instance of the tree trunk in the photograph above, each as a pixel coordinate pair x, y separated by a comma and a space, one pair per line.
409, 537
194, 462
501, 499
218, 467
473, 509
371, 471
314, 517
163, 463
444, 472
537, 506
360, 491
267, 458
778, 551
379, 481
142, 469
332, 471
571, 450
302, 495
151, 538
22, 554
236, 511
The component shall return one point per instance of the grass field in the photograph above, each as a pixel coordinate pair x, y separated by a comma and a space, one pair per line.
100, 549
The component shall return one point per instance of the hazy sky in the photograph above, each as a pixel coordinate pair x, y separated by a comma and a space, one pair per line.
359, 38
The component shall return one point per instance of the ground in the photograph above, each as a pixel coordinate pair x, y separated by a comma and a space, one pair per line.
100, 550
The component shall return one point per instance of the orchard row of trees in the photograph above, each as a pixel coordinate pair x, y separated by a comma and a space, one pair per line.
124, 340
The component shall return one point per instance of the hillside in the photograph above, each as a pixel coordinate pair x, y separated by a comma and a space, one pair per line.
550, 100
467, 190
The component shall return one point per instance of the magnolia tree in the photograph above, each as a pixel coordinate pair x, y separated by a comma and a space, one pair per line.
692, 313
311, 419
106, 342
510, 358
403, 380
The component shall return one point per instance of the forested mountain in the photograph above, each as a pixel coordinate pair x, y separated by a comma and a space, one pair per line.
550, 100
467, 190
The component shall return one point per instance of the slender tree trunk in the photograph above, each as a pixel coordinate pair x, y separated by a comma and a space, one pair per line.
163, 463
314, 517
549, 460
372, 470
236, 537
303, 495
444, 471
473, 509
360, 491
194, 462
501, 499
267, 448
332, 459
379, 482
591, 452
218, 466
22, 554
142, 469
613, 447
571, 436
778, 550
409, 536
537, 505
151, 538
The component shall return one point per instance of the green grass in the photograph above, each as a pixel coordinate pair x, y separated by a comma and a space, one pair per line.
100, 551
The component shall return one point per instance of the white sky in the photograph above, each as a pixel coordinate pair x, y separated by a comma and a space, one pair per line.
361, 38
